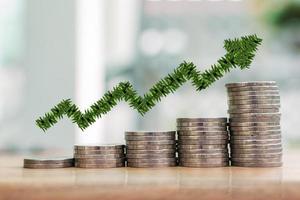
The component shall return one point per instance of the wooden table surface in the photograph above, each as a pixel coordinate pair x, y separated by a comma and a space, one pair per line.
140, 184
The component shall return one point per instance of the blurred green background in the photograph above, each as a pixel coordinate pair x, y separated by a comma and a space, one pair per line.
50, 49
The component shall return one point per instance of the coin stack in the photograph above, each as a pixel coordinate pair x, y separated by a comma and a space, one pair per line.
48, 163
151, 149
255, 135
99, 156
202, 142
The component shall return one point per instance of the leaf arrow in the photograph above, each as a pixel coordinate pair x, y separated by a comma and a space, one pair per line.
240, 53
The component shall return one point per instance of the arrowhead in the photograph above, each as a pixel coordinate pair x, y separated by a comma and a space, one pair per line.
243, 49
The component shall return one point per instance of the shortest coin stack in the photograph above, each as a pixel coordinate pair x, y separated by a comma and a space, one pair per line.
151, 149
99, 156
48, 163
255, 134
202, 142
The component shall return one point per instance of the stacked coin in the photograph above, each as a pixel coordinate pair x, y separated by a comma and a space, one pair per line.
255, 135
151, 149
48, 163
99, 156
202, 142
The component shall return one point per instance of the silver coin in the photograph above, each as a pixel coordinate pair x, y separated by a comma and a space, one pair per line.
204, 160
249, 94
253, 88
254, 106
149, 138
256, 119
253, 120
253, 95
255, 151
142, 151
99, 161
254, 128
255, 133
201, 124
215, 155
151, 160
255, 137
181, 120
252, 83
258, 124
99, 147
100, 152
151, 147
253, 101
204, 165
48, 166
197, 128
202, 146
237, 147
203, 137
253, 115
202, 151
259, 96
257, 160
161, 142
246, 142
100, 165
99, 156
151, 165
57, 160
202, 133
261, 155
262, 110
258, 92
246, 99
150, 133
200, 142
145, 156
250, 164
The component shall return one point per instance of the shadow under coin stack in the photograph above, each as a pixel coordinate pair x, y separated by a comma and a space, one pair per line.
202, 142
255, 135
151, 149
99, 156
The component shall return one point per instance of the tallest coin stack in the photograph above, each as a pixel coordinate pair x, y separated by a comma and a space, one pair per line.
255, 135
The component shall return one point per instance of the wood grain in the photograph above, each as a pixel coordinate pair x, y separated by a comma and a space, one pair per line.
168, 183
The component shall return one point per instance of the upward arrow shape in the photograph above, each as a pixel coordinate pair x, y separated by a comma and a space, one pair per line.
240, 53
